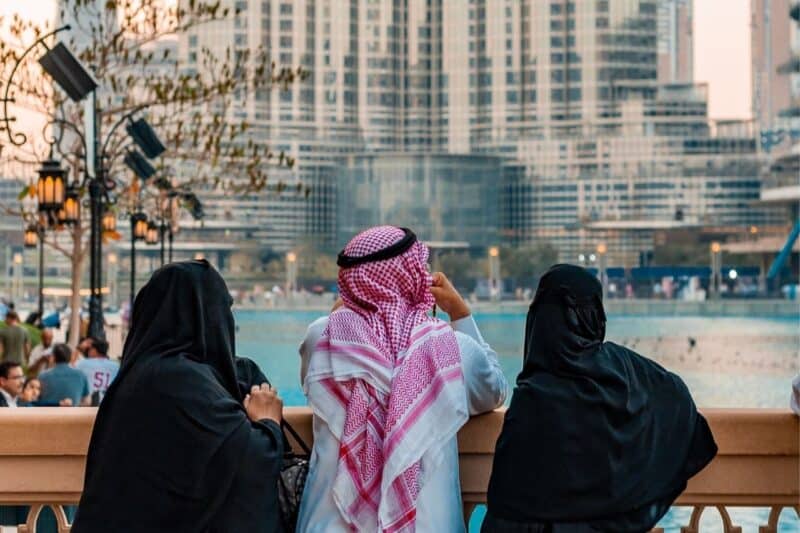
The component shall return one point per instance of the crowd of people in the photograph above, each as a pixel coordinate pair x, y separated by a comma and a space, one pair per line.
190, 437
51, 374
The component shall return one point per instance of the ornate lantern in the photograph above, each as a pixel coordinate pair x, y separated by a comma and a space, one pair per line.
70, 212
51, 187
31, 236
109, 221
139, 226
152, 233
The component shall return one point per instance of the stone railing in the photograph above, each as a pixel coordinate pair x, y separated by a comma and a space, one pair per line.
43, 451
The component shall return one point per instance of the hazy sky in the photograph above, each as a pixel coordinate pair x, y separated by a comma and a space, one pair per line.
722, 55
721, 49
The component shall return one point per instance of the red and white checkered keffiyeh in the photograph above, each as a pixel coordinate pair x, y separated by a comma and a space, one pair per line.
387, 380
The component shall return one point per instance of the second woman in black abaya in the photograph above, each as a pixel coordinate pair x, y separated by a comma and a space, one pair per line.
597, 437
173, 448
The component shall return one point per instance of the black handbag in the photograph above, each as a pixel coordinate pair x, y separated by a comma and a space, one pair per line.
292, 479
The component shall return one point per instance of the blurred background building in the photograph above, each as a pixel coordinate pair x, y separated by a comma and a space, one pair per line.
589, 106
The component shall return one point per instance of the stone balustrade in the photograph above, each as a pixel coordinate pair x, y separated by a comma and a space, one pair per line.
43, 452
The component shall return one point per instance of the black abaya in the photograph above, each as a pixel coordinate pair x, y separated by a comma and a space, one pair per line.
172, 447
597, 437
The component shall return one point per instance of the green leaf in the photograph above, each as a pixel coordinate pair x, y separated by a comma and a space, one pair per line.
26, 191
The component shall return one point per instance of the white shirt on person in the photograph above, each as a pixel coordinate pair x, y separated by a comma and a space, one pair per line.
439, 505
38, 352
11, 401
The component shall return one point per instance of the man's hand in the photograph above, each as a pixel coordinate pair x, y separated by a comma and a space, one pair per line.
263, 403
447, 297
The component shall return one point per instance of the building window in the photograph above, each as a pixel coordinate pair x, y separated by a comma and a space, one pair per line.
286, 9
241, 39
286, 41
193, 40
512, 97
286, 25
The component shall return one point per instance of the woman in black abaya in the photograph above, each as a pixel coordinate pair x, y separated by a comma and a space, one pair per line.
175, 446
597, 437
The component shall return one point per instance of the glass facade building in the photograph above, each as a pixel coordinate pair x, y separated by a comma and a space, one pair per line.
443, 198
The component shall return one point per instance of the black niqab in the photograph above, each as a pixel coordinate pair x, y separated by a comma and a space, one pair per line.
172, 447
595, 433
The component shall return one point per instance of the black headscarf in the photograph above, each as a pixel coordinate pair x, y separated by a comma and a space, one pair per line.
595, 433
172, 447
248, 373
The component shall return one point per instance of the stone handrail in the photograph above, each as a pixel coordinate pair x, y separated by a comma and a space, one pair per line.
43, 452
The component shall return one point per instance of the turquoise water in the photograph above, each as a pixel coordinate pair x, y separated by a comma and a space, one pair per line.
732, 362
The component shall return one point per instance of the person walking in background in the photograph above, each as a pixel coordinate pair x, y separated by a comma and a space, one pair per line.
64, 382
389, 388
175, 445
14, 340
40, 355
99, 370
11, 380
597, 437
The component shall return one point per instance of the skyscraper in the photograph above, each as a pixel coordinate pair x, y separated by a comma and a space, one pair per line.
675, 41
771, 46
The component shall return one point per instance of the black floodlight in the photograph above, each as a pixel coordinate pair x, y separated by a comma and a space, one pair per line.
68, 72
140, 166
143, 134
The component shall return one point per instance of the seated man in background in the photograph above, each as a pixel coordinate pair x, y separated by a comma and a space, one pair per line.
64, 382
99, 370
40, 355
11, 380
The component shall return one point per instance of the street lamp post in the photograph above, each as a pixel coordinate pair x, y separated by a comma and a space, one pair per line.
494, 273
18, 275
291, 272
602, 267
138, 233
171, 237
113, 259
716, 269
162, 232
34, 237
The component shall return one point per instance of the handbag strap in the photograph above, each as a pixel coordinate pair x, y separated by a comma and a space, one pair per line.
296, 436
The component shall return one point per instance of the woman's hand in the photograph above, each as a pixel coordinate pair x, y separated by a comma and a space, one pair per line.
263, 403
447, 297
